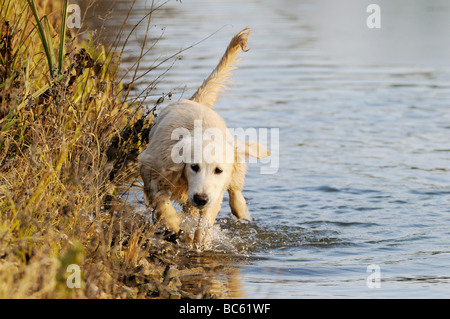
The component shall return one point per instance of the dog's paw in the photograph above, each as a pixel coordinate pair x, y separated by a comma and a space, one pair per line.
173, 237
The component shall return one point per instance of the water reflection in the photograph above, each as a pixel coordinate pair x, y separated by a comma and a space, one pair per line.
219, 277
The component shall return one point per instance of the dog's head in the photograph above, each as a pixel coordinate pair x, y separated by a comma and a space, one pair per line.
210, 162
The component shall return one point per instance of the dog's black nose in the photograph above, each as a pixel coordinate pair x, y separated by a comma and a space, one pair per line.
200, 199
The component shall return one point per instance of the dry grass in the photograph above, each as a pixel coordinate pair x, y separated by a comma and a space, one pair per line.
69, 139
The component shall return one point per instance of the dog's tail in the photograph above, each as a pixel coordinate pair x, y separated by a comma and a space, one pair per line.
208, 93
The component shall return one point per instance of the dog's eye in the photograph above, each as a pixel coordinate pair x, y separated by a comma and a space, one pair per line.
217, 171
195, 167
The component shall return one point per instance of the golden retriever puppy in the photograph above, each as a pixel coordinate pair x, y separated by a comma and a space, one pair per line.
192, 159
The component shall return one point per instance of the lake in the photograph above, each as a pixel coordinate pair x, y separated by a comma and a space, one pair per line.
359, 206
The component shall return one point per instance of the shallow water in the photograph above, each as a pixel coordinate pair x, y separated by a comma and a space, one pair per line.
364, 150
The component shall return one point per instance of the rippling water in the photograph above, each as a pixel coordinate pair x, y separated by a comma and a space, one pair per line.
364, 119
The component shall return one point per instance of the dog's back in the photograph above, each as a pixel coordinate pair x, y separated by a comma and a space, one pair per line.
183, 114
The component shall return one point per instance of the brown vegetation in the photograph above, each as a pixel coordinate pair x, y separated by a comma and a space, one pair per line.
69, 138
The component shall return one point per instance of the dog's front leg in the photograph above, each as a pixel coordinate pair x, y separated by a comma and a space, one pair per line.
163, 211
206, 222
238, 205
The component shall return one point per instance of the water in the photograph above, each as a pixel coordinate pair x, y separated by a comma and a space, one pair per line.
364, 119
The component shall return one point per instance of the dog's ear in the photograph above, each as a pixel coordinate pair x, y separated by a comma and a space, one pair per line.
252, 148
